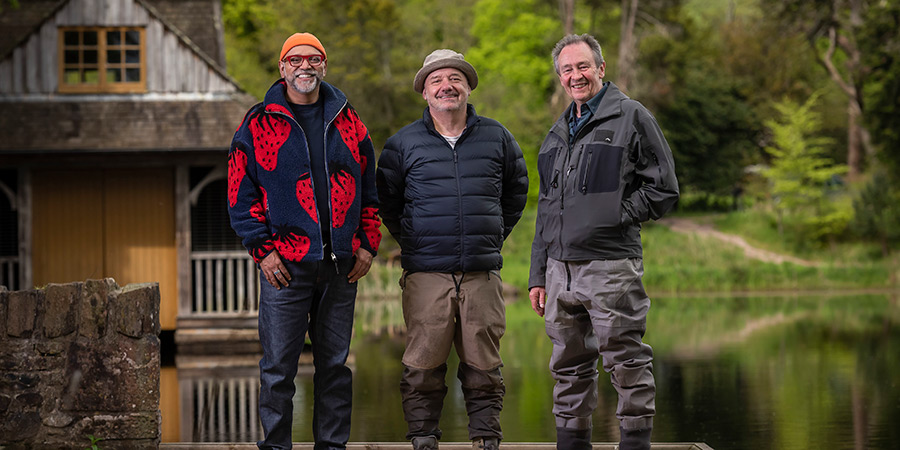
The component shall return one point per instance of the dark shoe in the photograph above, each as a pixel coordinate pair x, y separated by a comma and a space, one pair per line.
425, 443
486, 444
573, 439
634, 439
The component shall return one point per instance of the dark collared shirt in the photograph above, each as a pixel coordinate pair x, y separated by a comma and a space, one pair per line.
587, 110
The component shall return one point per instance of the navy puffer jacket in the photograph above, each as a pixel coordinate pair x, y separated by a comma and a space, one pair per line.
451, 208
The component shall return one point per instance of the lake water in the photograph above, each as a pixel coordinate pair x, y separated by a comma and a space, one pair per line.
757, 372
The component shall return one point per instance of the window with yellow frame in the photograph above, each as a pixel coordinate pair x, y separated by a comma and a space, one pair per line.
102, 59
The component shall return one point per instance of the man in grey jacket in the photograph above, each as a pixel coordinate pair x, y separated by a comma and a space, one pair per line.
604, 168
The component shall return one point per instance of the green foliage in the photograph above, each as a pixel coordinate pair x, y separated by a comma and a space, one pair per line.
515, 70
806, 186
877, 211
94, 442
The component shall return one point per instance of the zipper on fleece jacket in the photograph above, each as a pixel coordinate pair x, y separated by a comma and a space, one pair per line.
337, 270
312, 181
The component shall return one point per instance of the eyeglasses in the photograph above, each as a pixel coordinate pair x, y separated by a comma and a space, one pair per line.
297, 60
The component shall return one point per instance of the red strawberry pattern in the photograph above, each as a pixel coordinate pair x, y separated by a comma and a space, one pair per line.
343, 192
260, 206
276, 108
259, 250
348, 131
269, 133
306, 197
237, 168
292, 243
369, 223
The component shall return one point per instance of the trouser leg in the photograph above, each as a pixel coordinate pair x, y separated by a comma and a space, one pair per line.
330, 330
483, 391
481, 324
573, 361
283, 322
430, 315
422, 392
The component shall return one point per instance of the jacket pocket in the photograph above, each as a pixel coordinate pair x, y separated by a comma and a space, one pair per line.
546, 161
600, 168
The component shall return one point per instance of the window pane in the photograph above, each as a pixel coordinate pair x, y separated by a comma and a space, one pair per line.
90, 56
113, 38
113, 75
133, 75
132, 56
133, 37
71, 57
72, 76
113, 56
90, 38
71, 38
91, 76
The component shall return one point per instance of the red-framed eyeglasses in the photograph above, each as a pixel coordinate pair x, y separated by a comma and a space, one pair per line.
297, 60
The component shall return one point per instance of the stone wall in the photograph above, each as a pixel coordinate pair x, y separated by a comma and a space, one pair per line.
80, 360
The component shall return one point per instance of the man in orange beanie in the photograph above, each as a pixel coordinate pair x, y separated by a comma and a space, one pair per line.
301, 195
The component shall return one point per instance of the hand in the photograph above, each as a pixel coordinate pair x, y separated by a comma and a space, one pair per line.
276, 274
362, 265
538, 296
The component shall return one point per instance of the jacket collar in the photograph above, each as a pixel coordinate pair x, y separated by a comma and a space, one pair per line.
471, 118
610, 106
333, 100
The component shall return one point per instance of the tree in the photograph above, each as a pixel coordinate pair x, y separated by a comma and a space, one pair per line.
832, 28
805, 184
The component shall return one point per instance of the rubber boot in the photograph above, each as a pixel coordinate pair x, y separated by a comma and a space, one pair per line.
425, 443
573, 439
634, 439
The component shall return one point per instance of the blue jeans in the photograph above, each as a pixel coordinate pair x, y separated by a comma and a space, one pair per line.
321, 301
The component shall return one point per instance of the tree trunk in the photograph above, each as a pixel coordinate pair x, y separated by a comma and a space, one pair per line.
854, 141
567, 15
627, 45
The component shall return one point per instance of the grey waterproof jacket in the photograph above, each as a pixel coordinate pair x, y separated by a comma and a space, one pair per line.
451, 208
596, 190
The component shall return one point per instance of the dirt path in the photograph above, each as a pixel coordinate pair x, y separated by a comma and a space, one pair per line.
683, 225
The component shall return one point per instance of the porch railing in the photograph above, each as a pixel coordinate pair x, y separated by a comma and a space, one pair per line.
9, 272
221, 408
224, 282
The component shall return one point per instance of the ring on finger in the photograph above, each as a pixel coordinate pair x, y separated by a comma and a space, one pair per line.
276, 272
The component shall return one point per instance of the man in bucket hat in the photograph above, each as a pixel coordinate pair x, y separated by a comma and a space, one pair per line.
451, 187
302, 198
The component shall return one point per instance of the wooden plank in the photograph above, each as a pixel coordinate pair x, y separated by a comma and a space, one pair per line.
444, 446
220, 294
249, 267
6, 74
154, 56
170, 72
140, 233
68, 226
33, 64
183, 239
241, 288
49, 51
25, 213
198, 287
208, 298
229, 285
18, 80
186, 411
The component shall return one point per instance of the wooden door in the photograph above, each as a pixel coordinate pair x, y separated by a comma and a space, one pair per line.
107, 223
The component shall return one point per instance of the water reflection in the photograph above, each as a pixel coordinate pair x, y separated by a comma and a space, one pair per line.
800, 372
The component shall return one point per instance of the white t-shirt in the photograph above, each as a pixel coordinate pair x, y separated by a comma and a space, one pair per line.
452, 139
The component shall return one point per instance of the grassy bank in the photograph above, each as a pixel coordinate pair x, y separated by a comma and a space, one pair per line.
689, 263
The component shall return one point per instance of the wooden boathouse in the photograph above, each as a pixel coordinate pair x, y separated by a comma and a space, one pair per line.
115, 121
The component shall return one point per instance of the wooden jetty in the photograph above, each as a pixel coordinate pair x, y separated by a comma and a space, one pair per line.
407, 446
